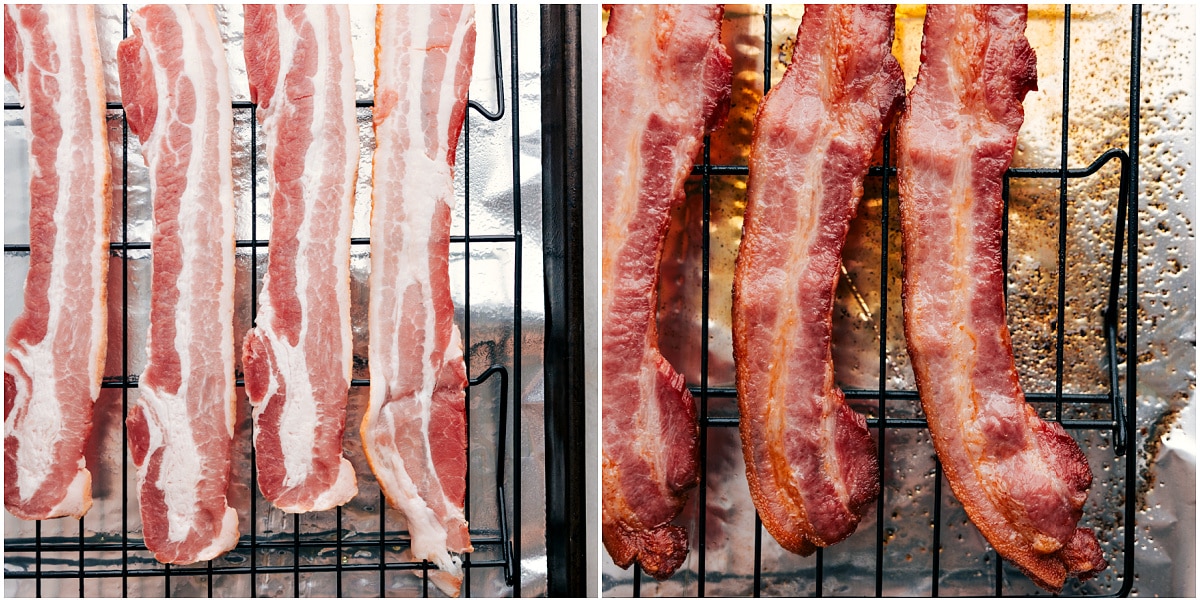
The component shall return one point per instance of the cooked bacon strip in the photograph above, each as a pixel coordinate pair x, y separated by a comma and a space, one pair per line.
1023, 481
810, 460
56, 347
297, 359
414, 430
175, 87
666, 82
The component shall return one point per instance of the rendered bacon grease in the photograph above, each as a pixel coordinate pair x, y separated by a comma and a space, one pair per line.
810, 461
297, 359
666, 82
175, 89
1023, 481
414, 430
56, 347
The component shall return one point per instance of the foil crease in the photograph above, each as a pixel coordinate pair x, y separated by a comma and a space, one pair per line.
484, 187
1164, 449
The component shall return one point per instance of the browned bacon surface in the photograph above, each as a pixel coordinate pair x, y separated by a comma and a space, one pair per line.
666, 81
56, 347
1023, 481
175, 88
810, 460
298, 357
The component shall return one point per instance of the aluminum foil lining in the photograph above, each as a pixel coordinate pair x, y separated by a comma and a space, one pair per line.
484, 183
1098, 112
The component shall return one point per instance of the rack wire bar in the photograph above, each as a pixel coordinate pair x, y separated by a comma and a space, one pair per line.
512, 573
254, 318
881, 443
1131, 299
1011, 173
479, 537
562, 234
118, 248
1062, 216
124, 337
869, 394
505, 535
231, 570
1123, 419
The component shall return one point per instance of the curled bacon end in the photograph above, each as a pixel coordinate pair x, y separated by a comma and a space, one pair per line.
659, 551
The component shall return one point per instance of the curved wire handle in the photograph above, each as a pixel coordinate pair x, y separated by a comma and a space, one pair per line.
494, 116
506, 548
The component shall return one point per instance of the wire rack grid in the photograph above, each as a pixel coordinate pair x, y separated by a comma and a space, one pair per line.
1123, 272
497, 548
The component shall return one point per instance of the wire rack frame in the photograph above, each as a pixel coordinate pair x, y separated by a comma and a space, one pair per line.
507, 538
1123, 414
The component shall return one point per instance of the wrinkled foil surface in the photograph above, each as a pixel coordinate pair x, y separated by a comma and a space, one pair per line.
1164, 491
497, 285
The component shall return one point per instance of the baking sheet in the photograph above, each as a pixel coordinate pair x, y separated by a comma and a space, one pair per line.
494, 291
1099, 84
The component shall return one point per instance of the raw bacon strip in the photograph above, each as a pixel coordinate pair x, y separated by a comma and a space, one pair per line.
175, 87
666, 81
56, 347
297, 360
414, 430
1022, 481
810, 460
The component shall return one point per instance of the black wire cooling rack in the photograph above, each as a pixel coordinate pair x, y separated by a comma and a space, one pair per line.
498, 547
1123, 418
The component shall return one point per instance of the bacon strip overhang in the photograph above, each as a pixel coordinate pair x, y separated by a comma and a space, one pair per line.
297, 359
56, 347
175, 88
414, 430
666, 81
810, 460
1022, 481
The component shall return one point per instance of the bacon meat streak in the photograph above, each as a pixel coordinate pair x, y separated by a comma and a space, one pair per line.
175, 87
56, 347
297, 359
1023, 481
666, 82
414, 430
810, 460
